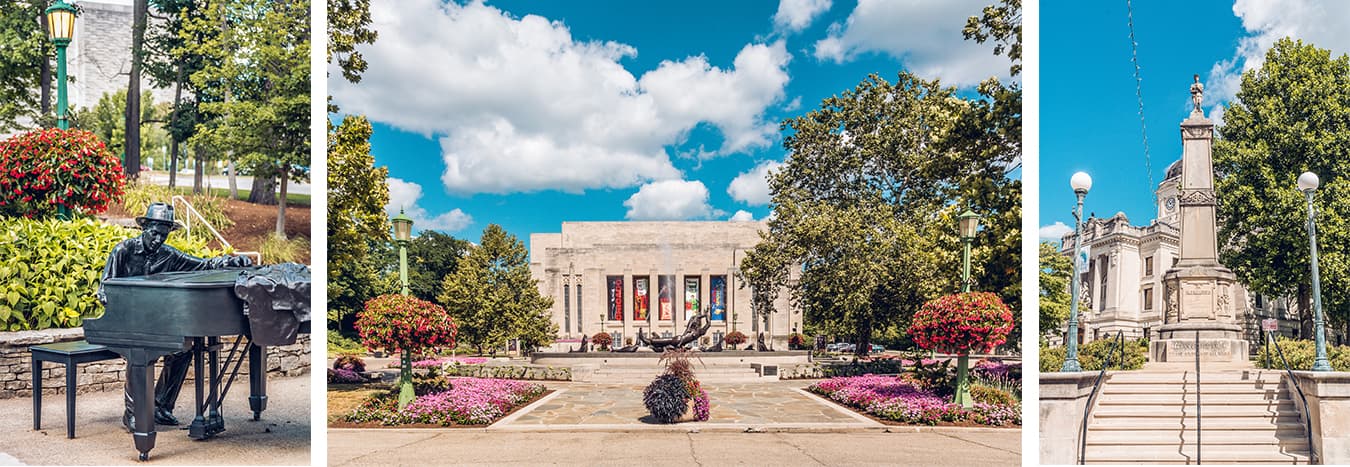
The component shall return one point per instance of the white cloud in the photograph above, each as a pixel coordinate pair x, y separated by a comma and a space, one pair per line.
519, 105
1054, 232
796, 15
670, 200
404, 195
1319, 22
925, 36
742, 216
752, 187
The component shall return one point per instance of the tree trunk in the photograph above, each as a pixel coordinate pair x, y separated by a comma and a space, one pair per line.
1305, 311
264, 189
234, 184
132, 145
45, 75
173, 123
281, 202
200, 153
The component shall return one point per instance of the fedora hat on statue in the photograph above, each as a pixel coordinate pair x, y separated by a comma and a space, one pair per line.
158, 212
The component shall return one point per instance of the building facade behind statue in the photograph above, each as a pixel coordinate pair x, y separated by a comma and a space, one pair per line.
1122, 287
619, 277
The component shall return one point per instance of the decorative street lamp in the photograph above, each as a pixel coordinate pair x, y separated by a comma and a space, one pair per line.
61, 29
402, 235
1307, 183
1081, 183
969, 222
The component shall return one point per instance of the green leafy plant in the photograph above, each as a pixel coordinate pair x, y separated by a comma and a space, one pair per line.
51, 269
339, 344
45, 169
992, 395
1093, 355
1301, 353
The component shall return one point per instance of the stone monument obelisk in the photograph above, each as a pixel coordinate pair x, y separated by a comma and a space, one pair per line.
1199, 290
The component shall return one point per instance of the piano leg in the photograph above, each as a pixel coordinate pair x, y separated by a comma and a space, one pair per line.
198, 428
141, 387
257, 379
214, 422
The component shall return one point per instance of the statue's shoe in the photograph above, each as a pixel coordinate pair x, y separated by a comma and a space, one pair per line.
164, 417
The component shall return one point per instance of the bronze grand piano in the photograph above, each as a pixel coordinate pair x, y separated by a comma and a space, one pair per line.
147, 317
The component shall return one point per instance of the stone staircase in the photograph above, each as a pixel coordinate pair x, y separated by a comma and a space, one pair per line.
708, 375
1149, 417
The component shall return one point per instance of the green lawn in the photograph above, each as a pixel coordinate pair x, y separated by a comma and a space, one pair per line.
292, 199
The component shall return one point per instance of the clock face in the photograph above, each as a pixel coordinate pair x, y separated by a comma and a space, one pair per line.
1171, 203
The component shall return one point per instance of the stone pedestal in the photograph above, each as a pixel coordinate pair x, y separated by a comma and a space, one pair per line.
1328, 412
1063, 402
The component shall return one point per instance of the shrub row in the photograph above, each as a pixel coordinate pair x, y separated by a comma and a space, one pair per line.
1300, 353
1092, 355
51, 269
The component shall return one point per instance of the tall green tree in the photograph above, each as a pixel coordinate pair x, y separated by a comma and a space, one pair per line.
263, 65
1291, 115
107, 119
169, 62
131, 161
493, 298
1055, 269
432, 256
357, 224
25, 52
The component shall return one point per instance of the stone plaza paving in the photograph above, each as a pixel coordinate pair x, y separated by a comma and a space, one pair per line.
782, 405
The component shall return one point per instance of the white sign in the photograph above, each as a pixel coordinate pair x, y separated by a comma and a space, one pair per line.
1270, 324
1083, 255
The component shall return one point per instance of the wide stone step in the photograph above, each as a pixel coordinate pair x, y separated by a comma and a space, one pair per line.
1188, 424
1218, 389
1248, 399
1264, 377
1288, 438
1177, 454
1207, 410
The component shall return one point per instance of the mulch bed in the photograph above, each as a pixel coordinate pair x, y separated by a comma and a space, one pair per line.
889, 422
335, 423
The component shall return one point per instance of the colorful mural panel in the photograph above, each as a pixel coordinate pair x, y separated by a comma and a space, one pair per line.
717, 295
615, 297
641, 299
665, 299
691, 285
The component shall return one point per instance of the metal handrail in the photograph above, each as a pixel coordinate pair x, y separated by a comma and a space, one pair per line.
1307, 422
187, 226
1087, 411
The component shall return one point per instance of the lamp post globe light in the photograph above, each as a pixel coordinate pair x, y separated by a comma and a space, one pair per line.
968, 222
1307, 183
402, 235
61, 29
1081, 182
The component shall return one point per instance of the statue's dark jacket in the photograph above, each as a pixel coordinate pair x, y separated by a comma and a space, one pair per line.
129, 258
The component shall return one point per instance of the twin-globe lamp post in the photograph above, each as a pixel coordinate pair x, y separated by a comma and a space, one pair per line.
61, 29
402, 235
968, 222
1081, 183
1307, 183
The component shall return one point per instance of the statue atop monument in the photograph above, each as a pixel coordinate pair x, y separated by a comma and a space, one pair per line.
1197, 95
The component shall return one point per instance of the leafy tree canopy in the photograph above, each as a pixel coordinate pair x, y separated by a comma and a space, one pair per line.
494, 298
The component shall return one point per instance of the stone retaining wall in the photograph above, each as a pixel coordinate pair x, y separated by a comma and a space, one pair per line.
16, 364
528, 372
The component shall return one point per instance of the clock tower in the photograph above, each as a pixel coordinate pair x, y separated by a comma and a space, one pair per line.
1169, 209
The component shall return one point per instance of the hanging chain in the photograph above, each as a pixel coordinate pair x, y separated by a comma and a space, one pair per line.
1139, 92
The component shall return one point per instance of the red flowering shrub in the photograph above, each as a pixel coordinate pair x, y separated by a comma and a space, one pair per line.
734, 338
43, 169
602, 340
403, 322
962, 323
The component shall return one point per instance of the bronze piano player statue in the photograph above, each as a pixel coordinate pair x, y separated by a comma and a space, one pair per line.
160, 302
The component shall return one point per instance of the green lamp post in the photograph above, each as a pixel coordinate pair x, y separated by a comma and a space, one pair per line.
402, 235
61, 29
969, 222
1307, 183
1081, 183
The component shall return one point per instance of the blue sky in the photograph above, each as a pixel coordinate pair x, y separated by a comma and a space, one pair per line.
1089, 111
528, 114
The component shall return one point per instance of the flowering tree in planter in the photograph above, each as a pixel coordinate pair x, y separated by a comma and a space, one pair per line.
960, 324
602, 340
405, 324
50, 171
734, 338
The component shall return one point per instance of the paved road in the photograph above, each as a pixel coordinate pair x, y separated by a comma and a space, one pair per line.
952, 446
282, 437
218, 181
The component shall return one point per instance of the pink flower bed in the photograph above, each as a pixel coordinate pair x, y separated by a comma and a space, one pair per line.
892, 398
438, 362
471, 401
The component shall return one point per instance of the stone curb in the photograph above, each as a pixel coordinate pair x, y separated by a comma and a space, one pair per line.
685, 428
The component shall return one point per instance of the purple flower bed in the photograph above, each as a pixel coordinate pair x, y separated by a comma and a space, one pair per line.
343, 376
892, 398
438, 362
468, 401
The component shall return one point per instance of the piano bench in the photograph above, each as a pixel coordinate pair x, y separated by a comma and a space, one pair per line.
71, 354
